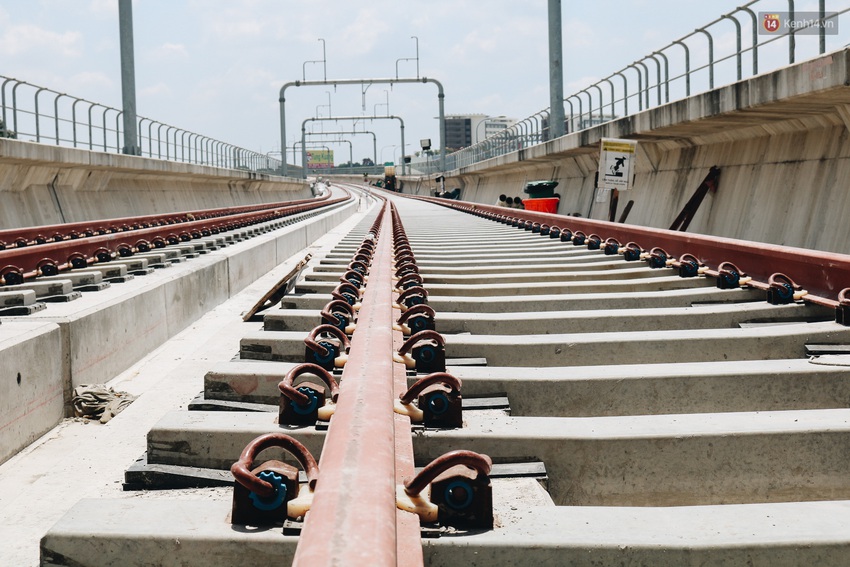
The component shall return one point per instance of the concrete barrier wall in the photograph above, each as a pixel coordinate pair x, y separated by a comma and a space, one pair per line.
41, 184
33, 366
780, 139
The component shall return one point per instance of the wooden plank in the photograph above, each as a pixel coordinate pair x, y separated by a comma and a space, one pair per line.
279, 290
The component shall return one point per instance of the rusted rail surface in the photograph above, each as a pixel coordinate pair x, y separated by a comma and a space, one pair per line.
19, 264
353, 517
37, 235
822, 274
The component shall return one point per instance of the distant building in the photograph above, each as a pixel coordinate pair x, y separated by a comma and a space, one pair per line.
464, 130
574, 124
495, 124
594, 120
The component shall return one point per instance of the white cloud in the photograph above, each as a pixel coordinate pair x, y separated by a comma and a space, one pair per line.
490, 104
229, 27
172, 50
24, 38
581, 83
362, 34
157, 90
485, 43
89, 81
578, 33
104, 8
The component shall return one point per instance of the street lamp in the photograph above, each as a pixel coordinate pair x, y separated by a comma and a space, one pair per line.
417, 54
323, 61
385, 147
477, 138
410, 58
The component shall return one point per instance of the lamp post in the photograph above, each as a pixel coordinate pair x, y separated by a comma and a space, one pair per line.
410, 58
417, 54
477, 138
385, 147
323, 61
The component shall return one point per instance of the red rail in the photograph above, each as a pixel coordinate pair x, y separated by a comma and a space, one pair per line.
353, 517
18, 264
822, 274
35, 235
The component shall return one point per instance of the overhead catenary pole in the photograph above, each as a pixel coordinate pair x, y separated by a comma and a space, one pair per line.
440, 98
355, 118
374, 138
128, 78
556, 72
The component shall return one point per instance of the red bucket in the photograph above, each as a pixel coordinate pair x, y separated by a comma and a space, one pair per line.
545, 205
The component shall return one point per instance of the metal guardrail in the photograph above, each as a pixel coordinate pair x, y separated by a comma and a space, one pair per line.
80, 123
620, 94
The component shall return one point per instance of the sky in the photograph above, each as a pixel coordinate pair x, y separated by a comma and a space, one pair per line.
216, 66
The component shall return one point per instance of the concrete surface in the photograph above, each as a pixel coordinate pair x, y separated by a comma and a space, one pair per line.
552, 302
758, 535
42, 184
668, 460
78, 460
33, 385
658, 281
251, 381
673, 387
133, 532
646, 347
103, 333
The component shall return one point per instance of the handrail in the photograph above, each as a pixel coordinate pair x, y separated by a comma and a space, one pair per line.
64, 126
512, 138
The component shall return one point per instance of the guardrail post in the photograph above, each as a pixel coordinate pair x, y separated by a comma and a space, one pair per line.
792, 42
37, 115
625, 93
687, 66
755, 31
737, 40
710, 56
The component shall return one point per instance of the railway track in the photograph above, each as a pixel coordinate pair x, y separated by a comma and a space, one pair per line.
46, 251
612, 412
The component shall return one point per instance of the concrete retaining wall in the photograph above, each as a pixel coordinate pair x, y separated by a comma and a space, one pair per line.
41, 184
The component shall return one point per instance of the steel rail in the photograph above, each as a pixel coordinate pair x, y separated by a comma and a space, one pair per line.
36, 235
408, 538
822, 274
353, 517
29, 262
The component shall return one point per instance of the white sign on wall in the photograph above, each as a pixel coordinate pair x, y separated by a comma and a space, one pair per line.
616, 161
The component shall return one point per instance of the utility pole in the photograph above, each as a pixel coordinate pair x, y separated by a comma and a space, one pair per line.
556, 72
128, 78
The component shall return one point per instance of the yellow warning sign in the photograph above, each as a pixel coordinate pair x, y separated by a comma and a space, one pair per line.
615, 164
